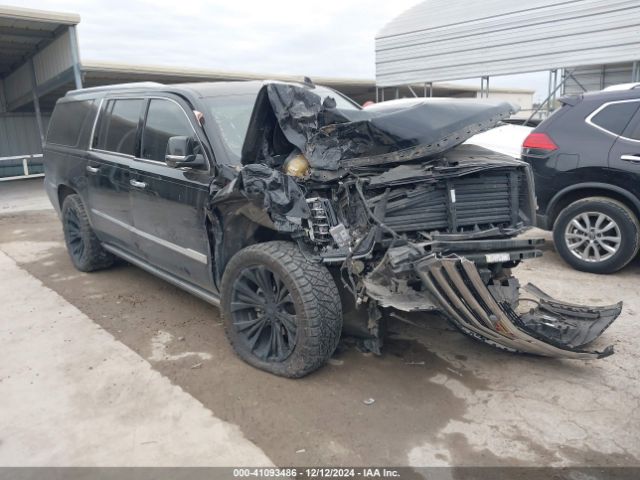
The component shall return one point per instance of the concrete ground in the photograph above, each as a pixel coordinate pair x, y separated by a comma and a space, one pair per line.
121, 368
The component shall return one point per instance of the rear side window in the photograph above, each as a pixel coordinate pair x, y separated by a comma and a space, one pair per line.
165, 119
635, 133
67, 121
615, 117
118, 126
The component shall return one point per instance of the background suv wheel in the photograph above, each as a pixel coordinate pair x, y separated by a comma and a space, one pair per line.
597, 235
281, 312
83, 246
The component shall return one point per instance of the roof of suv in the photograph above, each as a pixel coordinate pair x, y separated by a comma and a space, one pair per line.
607, 95
199, 89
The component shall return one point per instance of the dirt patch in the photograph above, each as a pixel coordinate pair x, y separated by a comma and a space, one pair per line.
324, 414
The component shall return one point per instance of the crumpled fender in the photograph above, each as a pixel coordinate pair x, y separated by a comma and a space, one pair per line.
273, 193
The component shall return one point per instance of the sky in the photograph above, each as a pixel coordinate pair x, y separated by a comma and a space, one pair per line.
333, 38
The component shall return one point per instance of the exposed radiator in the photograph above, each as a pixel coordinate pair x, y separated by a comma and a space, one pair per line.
488, 199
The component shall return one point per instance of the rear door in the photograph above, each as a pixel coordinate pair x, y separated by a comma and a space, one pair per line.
625, 153
168, 203
114, 142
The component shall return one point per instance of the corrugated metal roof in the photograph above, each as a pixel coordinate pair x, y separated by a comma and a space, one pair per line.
24, 31
441, 40
124, 72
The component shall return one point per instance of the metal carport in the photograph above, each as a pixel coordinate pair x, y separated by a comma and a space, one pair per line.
38, 55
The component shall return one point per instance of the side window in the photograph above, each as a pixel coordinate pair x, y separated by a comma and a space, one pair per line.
165, 119
615, 117
633, 130
118, 126
67, 121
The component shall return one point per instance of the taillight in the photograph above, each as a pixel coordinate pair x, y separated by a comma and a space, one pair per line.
539, 141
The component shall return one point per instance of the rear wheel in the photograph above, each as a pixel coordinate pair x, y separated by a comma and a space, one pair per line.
83, 246
597, 235
281, 312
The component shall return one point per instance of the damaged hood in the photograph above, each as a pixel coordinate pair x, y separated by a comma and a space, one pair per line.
332, 138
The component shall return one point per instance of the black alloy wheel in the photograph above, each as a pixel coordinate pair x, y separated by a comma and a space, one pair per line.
281, 311
263, 314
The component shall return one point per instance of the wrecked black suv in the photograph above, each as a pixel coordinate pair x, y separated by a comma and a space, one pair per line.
301, 214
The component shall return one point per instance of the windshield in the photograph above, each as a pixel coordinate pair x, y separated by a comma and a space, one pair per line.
233, 112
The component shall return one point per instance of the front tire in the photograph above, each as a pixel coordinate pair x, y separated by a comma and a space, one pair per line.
83, 246
281, 312
597, 235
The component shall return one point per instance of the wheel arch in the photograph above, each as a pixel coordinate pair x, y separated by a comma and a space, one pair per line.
579, 191
63, 192
230, 232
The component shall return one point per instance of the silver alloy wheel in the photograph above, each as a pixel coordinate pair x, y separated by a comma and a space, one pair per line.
592, 236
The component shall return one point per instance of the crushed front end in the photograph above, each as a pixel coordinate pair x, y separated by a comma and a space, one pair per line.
443, 236
409, 221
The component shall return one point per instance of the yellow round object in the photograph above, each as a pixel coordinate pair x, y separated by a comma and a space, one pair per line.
297, 166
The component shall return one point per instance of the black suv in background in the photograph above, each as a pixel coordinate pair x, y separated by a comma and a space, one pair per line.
586, 164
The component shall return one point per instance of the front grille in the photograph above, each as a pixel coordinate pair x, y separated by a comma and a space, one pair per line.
482, 200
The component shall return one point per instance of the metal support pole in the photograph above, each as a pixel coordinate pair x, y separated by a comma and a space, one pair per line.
549, 94
430, 89
412, 91
397, 92
377, 95
425, 90
555, 90
533, 114
484, 86
382, 94
568, 75
635, 71
36, 100
75, 56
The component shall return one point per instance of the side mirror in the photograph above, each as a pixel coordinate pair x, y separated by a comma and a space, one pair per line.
181, 152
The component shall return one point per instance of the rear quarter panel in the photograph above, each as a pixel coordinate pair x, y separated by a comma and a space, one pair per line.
64, 166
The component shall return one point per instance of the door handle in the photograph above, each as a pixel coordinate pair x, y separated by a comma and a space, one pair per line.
631, 158
135, 183
91, 169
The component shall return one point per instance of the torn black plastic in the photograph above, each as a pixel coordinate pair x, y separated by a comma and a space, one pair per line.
489, 313
276, 195
488, 304
333, 138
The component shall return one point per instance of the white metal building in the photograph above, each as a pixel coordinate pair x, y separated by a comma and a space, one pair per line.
586, 44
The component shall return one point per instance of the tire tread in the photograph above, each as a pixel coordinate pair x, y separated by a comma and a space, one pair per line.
318, 294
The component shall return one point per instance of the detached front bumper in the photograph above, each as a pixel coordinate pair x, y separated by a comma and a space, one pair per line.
494, 314
488, 303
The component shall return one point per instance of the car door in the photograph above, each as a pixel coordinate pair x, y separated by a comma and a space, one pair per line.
108, 169
624, 156
168, 203
625, 153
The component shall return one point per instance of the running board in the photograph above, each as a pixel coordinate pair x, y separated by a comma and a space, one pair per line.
201, 293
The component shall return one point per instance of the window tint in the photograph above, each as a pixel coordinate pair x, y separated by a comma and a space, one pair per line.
118, 125
165, 119
615, 117
633, 131
67, 121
